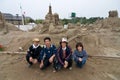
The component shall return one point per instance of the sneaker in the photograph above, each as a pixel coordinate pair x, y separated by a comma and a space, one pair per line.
54, 71
70, 68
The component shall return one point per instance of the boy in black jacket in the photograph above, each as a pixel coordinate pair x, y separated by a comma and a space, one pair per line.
33, 52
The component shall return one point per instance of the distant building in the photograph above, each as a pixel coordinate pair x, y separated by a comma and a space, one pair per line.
14, 19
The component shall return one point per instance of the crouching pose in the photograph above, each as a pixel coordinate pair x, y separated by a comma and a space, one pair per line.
80, 55
33, 52
47, 54
63, 57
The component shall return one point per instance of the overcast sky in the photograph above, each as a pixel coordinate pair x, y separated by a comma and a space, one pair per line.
37, 9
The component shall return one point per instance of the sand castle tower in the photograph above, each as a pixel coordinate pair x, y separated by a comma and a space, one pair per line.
51, 18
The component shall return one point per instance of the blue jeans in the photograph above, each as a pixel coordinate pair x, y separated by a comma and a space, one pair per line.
80, 64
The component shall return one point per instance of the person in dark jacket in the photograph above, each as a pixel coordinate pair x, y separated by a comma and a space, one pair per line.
47, 54
33, 52
80, 55
63, 56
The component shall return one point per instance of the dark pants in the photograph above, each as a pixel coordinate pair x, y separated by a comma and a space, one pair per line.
27, 58
80, 64
57, 65
46, 63
69, 63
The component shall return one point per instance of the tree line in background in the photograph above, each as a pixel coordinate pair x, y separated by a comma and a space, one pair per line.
82, 20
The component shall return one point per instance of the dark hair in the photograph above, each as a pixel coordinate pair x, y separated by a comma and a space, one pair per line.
47, 38
79, 44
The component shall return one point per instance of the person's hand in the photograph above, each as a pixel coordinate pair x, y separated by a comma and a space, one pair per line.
80, 59
65, 64
41, 64
31, 59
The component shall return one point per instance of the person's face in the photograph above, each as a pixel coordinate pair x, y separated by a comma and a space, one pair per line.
47, 43
79, 48
36, 43
63, 44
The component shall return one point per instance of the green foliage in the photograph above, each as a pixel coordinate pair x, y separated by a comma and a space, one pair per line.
82, 20
65, 21
93, 19
37, 21
29, 20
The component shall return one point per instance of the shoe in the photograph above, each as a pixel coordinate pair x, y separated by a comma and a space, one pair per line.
54, 71
70, 68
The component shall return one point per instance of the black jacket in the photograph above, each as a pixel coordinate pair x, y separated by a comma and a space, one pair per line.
34, 52
60, 54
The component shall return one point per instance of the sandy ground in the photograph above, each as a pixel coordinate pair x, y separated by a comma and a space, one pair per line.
15, 67
102, 39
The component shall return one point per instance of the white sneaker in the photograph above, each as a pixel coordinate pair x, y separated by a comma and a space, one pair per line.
54, 71
70, 68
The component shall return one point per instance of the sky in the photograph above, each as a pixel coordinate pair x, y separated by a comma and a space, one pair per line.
37, 9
